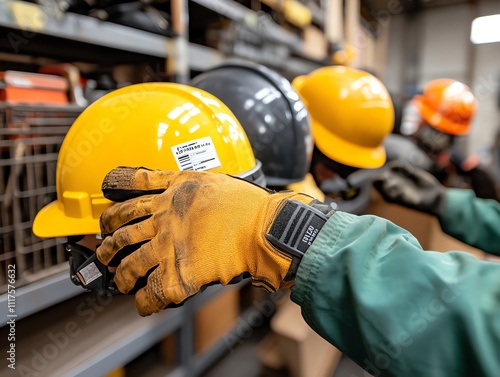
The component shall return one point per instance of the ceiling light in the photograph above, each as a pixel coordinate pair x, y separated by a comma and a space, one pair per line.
485, 29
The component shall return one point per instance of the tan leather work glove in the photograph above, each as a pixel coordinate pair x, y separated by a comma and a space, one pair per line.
196, 228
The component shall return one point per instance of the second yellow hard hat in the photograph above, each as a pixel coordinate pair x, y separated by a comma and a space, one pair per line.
351, 113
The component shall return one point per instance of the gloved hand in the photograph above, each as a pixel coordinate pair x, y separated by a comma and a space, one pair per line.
464, 164
411, 187
193, 229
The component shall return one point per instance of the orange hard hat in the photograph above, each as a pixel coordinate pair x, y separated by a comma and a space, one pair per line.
447, 105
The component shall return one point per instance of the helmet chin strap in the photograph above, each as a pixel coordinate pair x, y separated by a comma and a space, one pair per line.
87, 271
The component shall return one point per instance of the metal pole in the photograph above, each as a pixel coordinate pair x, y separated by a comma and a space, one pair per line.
177, 47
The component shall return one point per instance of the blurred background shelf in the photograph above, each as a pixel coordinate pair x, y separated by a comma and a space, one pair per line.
90, 336
248, 17
41, 294
70, 35
31, 29
77, 37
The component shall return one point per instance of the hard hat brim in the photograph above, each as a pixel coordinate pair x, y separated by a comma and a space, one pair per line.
51, 221
440, 123
345, 152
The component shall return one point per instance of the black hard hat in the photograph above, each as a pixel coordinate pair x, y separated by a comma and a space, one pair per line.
136, 14
272, 114
75, 6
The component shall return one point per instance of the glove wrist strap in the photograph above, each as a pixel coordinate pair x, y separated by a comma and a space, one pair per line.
295, 228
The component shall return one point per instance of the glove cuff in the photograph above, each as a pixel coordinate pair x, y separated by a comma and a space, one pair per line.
295, 228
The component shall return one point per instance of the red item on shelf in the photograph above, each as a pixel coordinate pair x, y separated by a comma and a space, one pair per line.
33, 88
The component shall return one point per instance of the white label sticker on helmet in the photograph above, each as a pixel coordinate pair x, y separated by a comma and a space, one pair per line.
199, 154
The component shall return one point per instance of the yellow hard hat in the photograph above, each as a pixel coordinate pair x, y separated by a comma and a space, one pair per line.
351, 113
156, 125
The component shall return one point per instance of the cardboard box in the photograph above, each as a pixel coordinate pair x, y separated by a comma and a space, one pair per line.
295, 346
216, 318
269, 354
424, 227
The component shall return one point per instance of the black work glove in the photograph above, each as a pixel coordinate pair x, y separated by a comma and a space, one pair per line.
411, 187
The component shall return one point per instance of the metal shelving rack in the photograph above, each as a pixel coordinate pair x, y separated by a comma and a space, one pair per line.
86, 33
239, 13
107, 342
41, 294
113, 334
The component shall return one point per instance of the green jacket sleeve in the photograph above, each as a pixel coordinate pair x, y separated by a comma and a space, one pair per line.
472, 220
367, 287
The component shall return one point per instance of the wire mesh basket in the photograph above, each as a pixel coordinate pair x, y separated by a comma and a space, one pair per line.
30, 138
